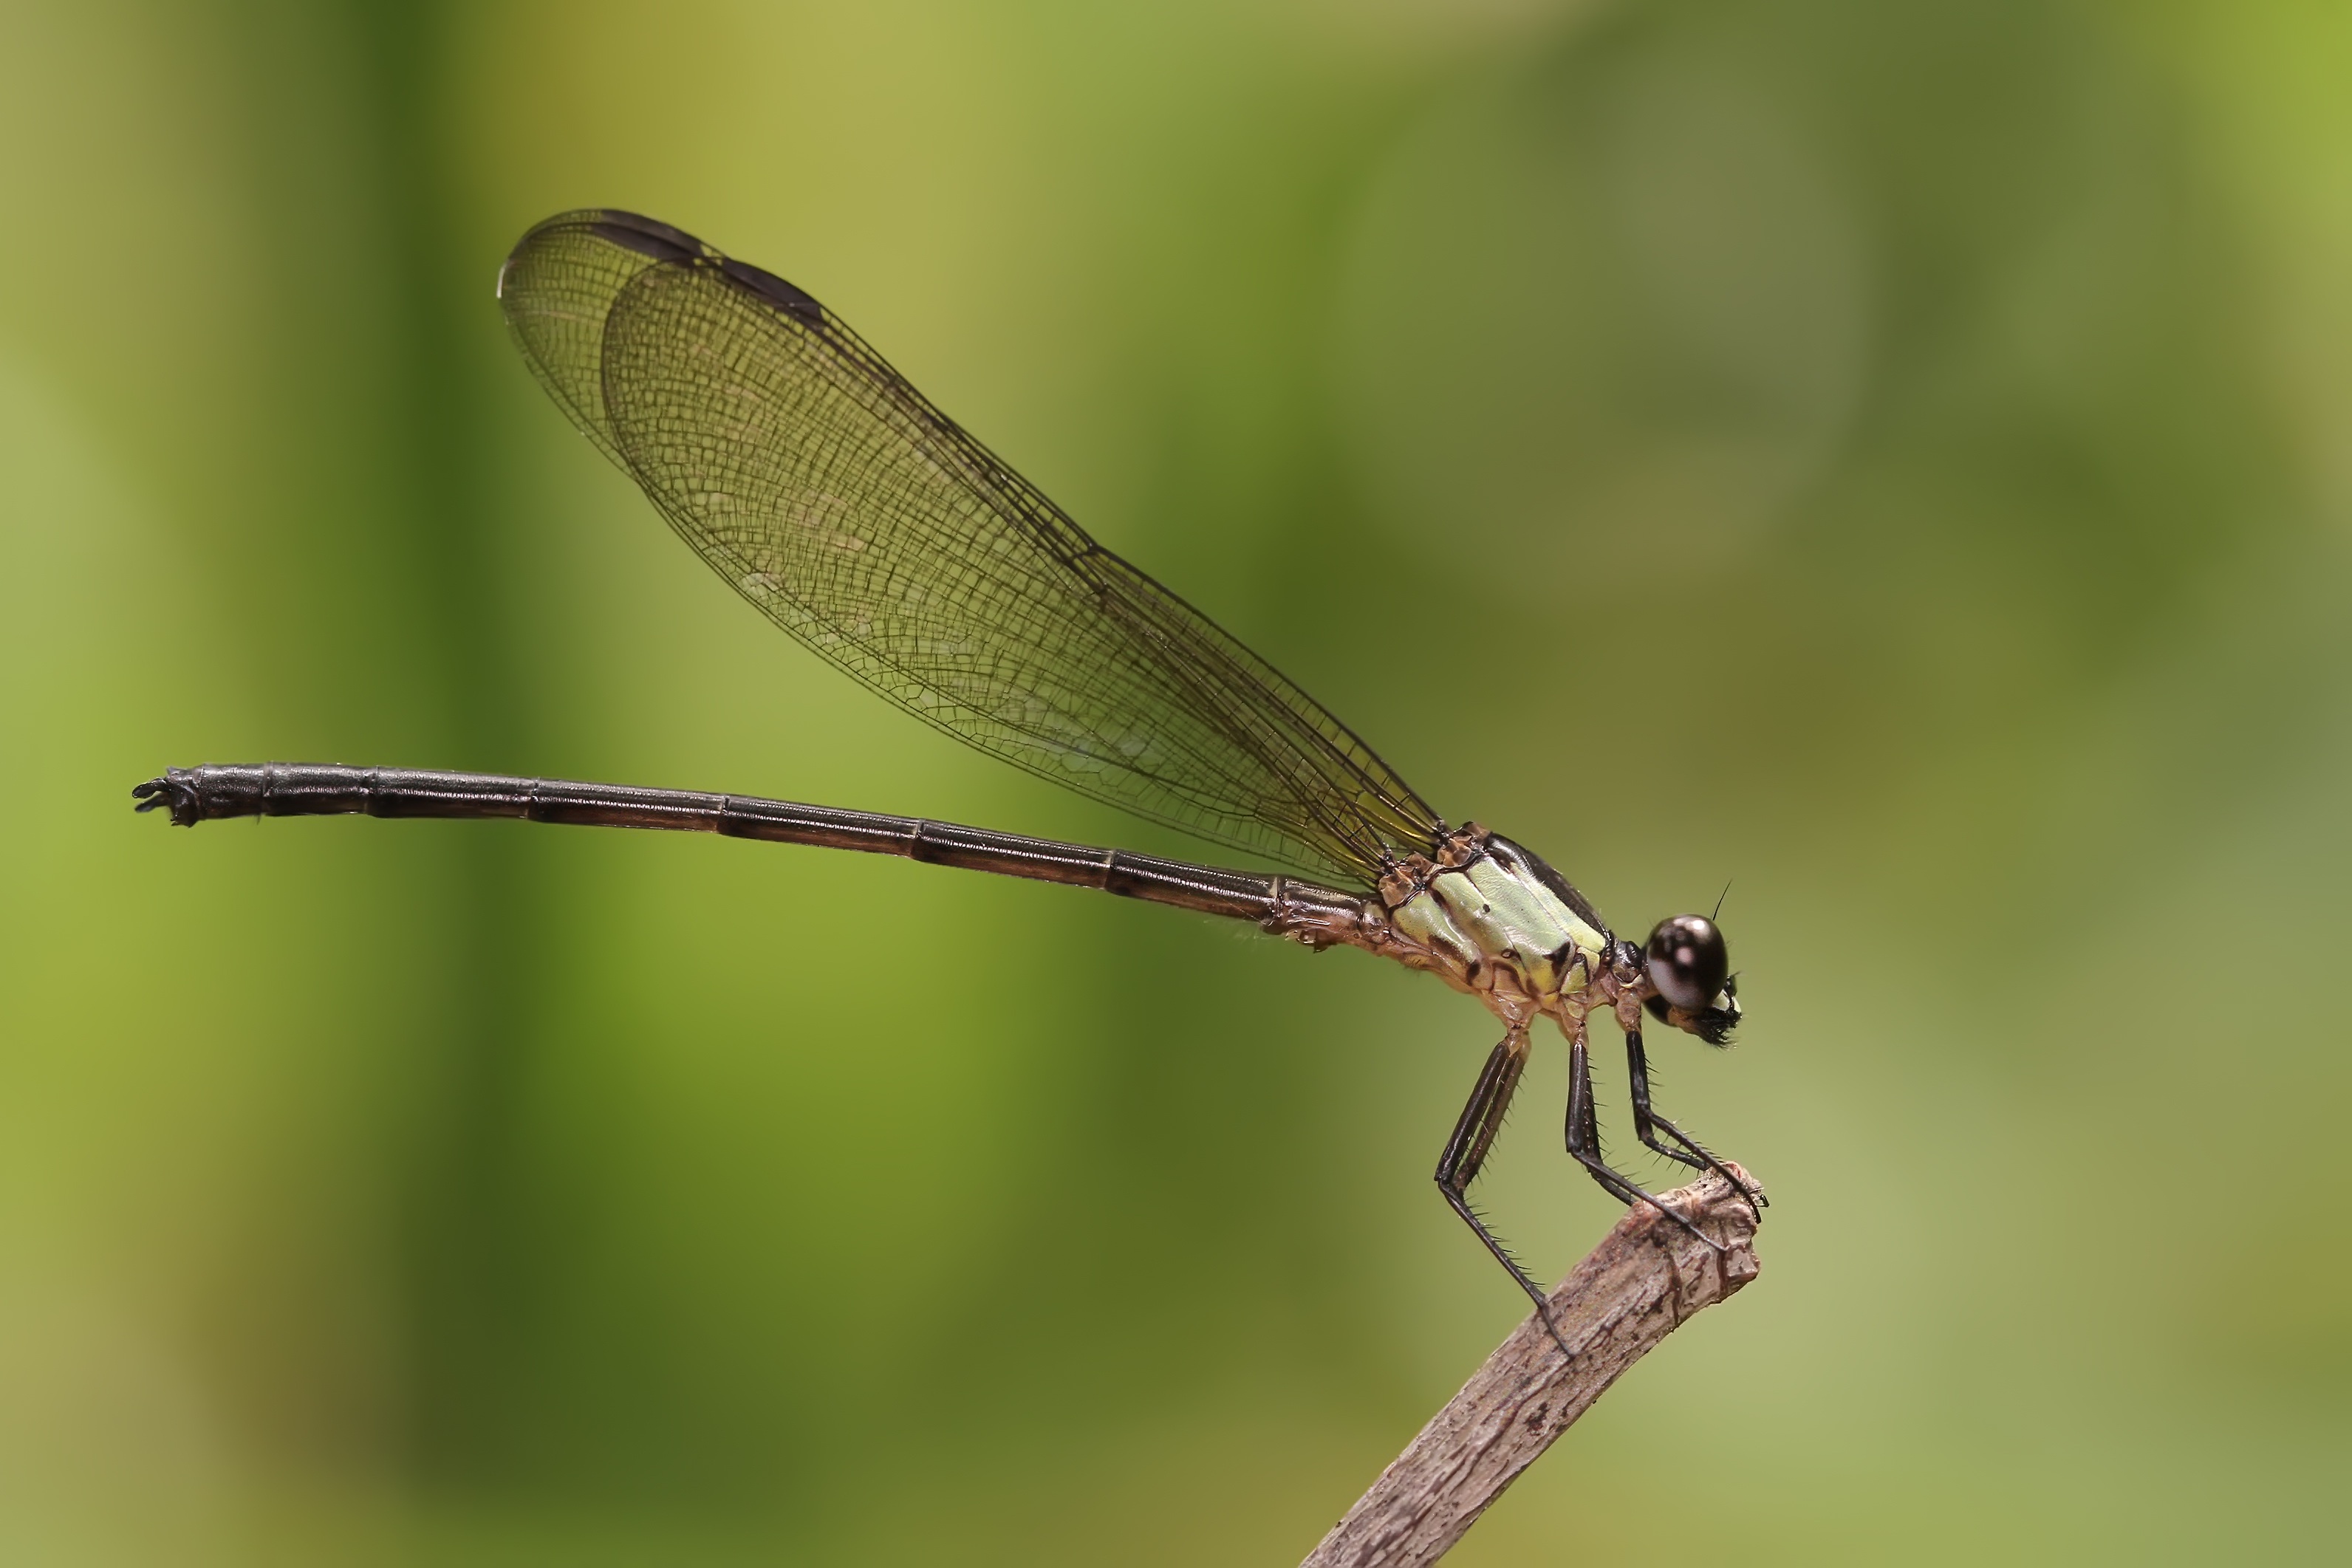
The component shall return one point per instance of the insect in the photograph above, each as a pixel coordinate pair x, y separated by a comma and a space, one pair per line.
834, 496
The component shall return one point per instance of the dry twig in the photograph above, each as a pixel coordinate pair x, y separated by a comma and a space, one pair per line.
1644, 1279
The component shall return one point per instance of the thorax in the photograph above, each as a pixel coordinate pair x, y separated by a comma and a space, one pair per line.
1494, 921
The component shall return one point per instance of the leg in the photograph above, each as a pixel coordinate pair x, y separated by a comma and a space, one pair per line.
1584, 1143
1465, 1152
1648, 1124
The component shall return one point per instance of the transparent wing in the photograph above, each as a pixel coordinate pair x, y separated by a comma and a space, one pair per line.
851, 513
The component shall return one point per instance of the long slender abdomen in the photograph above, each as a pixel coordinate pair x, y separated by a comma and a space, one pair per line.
1318, 916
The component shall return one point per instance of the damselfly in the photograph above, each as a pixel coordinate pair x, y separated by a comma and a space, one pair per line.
847, 509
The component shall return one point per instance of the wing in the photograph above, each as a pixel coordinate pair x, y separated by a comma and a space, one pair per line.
855, 516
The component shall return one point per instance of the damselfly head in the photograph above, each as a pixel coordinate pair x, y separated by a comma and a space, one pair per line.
1690, 978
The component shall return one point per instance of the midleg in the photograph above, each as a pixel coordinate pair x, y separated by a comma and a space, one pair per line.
1584, 1144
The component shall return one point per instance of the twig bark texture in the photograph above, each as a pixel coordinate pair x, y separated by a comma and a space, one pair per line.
1643, 1281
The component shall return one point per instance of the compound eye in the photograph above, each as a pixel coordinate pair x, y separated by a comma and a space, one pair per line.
1687, 963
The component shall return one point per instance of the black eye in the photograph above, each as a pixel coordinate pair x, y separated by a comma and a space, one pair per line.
1687, 961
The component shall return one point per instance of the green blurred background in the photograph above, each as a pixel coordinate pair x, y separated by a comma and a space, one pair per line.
1894, 455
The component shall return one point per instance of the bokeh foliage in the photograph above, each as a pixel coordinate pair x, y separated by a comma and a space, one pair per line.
1894, 455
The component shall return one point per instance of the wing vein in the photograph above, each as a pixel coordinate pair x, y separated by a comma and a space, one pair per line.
842, 504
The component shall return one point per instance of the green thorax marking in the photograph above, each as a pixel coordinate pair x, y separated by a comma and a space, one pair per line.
1484, 907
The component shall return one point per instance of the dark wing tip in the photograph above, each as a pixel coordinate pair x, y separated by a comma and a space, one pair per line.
767, 286
662, 245
649, 237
